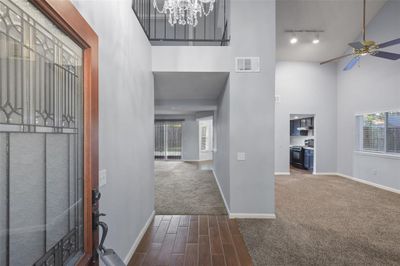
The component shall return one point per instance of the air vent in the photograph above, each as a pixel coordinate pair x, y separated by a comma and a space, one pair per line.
247, 64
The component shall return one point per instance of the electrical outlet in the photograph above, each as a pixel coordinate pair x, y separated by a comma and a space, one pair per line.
102, 177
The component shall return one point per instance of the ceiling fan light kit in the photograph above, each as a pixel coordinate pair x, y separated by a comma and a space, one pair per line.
367, 47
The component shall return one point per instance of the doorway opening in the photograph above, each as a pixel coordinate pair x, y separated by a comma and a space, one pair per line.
302, 140
184, 180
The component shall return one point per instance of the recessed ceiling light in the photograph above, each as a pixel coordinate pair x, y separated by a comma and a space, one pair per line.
293, 40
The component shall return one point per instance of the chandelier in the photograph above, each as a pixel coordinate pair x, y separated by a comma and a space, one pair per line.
185, 11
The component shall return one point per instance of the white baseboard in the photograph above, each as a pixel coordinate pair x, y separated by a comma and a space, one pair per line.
252, 216
282, 173
241, 215
220, 192
369, 183
325, 173
138, 239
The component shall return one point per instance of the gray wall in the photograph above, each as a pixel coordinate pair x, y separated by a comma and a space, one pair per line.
306, 88
252, 109
190, 135
126, 119
190, 139
251, 100
372, 87
221, 155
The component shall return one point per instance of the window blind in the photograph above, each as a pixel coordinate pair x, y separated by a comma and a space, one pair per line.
379, 132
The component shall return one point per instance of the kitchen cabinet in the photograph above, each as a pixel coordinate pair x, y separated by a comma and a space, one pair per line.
294, 125
309, 159
291, 128
303, 123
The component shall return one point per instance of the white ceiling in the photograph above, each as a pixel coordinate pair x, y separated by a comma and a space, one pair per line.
340, 19
188, 85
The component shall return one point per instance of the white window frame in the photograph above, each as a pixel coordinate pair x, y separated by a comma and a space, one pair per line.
207, 141
359, 147
206, 122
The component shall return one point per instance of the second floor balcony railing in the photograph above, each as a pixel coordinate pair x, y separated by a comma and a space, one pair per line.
211, 30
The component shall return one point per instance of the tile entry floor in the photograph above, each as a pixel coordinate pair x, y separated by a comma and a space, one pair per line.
192, 240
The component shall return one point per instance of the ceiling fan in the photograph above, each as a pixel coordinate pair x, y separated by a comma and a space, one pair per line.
366, 47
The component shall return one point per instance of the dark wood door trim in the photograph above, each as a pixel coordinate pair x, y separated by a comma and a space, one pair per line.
64, 14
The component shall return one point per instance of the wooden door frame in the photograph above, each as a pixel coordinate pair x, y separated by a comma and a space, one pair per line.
64, 14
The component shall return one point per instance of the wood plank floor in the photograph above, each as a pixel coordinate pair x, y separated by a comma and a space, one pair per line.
200, 240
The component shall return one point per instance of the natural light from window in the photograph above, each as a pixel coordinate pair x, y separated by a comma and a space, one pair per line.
379, 132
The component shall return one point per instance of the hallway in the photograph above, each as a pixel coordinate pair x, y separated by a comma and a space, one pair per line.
184, 188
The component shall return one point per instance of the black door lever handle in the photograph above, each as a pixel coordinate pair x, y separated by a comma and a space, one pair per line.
104, 228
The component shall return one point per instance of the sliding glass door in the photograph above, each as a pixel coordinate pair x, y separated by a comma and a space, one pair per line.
168, 140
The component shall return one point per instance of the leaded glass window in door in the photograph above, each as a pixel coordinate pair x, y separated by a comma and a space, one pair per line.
41, 140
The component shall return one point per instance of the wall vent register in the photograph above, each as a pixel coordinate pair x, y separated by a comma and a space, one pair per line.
247, 64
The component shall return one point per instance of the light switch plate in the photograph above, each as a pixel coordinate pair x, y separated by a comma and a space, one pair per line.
241, 156
102, 177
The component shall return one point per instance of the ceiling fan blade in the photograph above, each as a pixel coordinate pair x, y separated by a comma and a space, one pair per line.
387, 55
334, 59
352, 63
389, 43
356, 45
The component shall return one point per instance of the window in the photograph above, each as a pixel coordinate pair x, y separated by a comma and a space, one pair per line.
205, 134
393, 132
204, 138
379, 132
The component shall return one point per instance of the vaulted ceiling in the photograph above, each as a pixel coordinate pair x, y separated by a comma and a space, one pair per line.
340, 20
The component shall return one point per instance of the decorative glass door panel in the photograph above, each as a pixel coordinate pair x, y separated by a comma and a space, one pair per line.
41, 140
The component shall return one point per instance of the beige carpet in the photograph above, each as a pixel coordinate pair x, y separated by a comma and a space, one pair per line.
181, 188
327, 220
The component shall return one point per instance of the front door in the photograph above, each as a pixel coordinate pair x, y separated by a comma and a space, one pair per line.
46, 172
